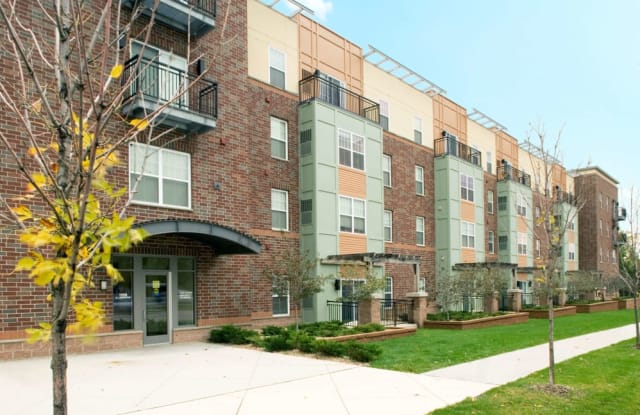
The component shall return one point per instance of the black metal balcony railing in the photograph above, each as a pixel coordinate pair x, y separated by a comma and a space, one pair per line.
163, 84
565, 197
316, 87
207, 7
452, 147
508, 172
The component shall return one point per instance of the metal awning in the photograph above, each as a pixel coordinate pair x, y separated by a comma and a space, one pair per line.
372, 258
224, 240
484, 265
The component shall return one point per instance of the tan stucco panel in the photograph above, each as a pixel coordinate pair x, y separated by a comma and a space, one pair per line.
449, 116
484, 140
352, 183
352, 243
467, 211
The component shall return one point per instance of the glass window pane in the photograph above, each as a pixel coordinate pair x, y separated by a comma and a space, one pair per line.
358, 225
146, 189
155, 263
345, 157
122, 262
278, 149
175, 193
277, 78
175, 165
358, 143
276, 59
186, 264
358, 161
345, 223
145, 159
186, 298
123, 302
278, 220
358, 208
345, 206
278, 200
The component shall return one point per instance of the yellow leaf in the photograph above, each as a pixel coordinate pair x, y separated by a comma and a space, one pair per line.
42, 334
139, 124
116, 71
22, 212
25, 264
39, 179
75, 118
32, 151
37, 105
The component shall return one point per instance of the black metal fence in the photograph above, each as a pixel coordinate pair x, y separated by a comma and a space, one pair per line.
344, 311
315, 86
452, 147
166, 84
393, 312
204, 6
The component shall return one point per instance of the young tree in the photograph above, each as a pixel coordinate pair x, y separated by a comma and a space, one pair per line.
372, 282
64, 97
447, 292
552, 224
628, 259
293, 274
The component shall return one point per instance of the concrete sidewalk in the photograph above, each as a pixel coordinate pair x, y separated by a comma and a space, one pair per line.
200, 378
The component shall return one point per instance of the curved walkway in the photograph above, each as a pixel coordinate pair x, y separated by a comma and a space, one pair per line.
200, 378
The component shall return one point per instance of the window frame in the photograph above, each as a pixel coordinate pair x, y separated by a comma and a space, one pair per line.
467, 187
276, 295
352, 152
420, 224
468, 233
419, 184
491, 242
571, 252
160, 176
282, 140
417, 130
384, 114
387, 213
285, 211
387, 292
283, 70
490, 202
386, 162
522, 242
352, 214
521, 206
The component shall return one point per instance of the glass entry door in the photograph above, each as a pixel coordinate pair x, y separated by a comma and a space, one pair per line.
156, 307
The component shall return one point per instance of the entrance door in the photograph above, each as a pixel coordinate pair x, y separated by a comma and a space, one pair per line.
156, 307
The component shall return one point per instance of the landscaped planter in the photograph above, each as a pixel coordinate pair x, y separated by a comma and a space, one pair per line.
504, 320
569, 310
597, 307
388, 333
626, 304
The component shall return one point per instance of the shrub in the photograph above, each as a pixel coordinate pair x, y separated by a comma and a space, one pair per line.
323, 328
302, 341
368, 328
273, 330
362, 352
231, 334
277, 343
329, 348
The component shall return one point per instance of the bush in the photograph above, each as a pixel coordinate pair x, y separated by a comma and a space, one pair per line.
273, 330
323, 328
232, 334
329, 348
368, 328
277, 343
362, 352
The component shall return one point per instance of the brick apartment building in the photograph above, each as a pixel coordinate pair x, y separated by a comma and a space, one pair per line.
313, 144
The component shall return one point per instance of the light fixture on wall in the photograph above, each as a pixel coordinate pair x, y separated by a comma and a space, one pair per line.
103, 285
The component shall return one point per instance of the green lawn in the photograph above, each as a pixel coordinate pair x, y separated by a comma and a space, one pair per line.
431, 349
602, 382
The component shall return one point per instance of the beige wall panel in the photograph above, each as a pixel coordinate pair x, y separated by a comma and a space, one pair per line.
352, 244
352, 183
485, 140
467, 255
405, 103
266, 29
449, 116
467, 211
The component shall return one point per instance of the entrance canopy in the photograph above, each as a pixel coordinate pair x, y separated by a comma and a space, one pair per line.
371, 258
224, 240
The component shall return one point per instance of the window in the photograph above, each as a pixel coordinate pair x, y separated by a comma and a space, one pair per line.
468, 231
277, 68
419, 230
352, 215
419, 180
351, 148
123, 294
503, 242
388, 226
279, 210
489, 162
607, 203
280, 297
613, 255
491, 240
388, 291
572, 252
490, 202
278, 138
384, 115
600, 198
502, 203
466, 187
538, 249
537, 212
332, 90
475, 156
600, 254
305, 142
600, 221
522, 205
522, 243
159, 176
306, 211
422, 284
417, 130
186, 291
386, 170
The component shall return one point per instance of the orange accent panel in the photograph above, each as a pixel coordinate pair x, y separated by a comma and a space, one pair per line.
352, 183
506, 148
522, 276
449, 116
468, 255
351, 243
522, 224
559, 177
322, 49
522, 260
467, 211
571, 237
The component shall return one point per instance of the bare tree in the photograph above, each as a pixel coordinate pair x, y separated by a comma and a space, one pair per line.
628, 259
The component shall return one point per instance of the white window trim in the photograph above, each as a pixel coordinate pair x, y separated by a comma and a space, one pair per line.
422, 284
160, 176
386, 157
387, 279
420, 219
467, 229
421, 181
467, 183
491, 238
490, 204
284, 140
521, 207
275, 295
284, 62
571, 252
417, 127
352, 151
390, 214
286, 211
353, 216
522, 243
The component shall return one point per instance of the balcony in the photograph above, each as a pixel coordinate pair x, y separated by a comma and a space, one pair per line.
565, 197
450, 146
620, 214
316, 87
195, 17
508, 172
186, 101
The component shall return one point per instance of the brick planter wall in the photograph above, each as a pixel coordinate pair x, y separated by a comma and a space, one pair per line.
504, 320
388, 333
597, 307
626, 304
557, 312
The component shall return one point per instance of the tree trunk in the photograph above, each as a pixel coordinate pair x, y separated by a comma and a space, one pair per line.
635, 312
59, 351
552, 364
